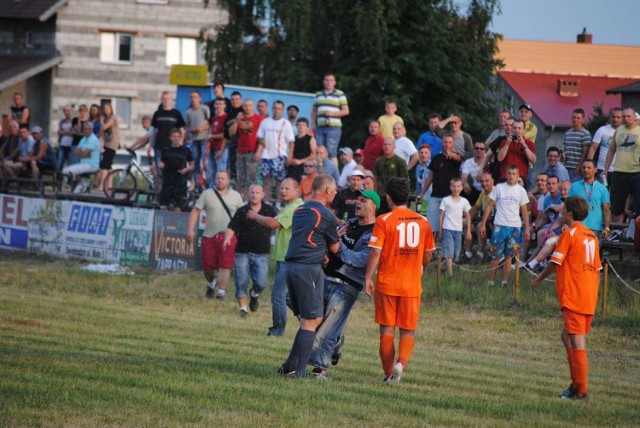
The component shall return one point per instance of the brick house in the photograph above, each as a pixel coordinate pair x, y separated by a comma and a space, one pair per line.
555, 78
117, 51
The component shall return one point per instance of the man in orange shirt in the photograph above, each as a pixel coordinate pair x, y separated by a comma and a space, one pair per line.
576, 262
401, 245
306, 184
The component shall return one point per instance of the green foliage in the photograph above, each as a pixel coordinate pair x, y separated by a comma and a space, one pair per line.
597, 119
425, 54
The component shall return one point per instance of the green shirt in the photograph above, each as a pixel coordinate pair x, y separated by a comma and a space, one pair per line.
283, 233
385, 169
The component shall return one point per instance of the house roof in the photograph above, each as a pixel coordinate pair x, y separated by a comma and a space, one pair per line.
30, 9
541, 92
631, 88
14, 69
570, 58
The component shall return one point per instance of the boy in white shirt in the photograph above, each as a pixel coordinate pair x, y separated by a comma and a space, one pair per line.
511, 201
452, 209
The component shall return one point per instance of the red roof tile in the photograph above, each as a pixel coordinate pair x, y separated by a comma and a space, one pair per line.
541, 92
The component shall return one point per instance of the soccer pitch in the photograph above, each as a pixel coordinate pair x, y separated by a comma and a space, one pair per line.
85, 349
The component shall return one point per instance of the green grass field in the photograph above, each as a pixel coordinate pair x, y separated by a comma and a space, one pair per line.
84, 349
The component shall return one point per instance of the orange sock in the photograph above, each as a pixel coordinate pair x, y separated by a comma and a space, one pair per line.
406, 349
387, 353
582, 370
572, 364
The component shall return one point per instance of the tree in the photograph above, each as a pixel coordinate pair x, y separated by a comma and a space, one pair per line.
425, 54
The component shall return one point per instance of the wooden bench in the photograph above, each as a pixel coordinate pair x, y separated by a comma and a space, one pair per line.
621, 247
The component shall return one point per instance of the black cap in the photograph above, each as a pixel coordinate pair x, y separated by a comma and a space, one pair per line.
527, 106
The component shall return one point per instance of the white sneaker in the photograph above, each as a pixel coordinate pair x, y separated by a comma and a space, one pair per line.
80, 188
396, 374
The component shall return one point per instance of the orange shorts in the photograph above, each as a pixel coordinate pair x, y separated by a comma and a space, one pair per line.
575, 323
396, 311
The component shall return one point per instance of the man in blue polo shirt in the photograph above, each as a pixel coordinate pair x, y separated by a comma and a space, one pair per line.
314, 231
597, 197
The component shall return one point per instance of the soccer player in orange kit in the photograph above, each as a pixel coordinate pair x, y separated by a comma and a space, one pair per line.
576, 262
401, 245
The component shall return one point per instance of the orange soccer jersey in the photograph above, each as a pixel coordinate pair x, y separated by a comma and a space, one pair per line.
402, 236
577, 280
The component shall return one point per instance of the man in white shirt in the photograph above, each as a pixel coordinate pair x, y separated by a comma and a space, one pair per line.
404, 146
471, 169
602, 139
274, 136
510, 200
346, 157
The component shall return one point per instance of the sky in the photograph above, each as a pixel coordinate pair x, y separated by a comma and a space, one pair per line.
562, 20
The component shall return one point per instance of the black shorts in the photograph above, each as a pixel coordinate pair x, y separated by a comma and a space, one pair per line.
174, 195
618, 190
306, 289
107, 158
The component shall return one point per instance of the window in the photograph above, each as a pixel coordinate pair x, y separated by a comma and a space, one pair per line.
28, 39
116, 47
121, 108
183, 50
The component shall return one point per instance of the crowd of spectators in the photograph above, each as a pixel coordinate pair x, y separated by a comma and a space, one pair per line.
253, 143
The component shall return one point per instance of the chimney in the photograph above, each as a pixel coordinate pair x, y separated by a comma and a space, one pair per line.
585, 37
568, 88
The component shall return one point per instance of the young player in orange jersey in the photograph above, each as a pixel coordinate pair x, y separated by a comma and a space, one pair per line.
576, 262
401, 245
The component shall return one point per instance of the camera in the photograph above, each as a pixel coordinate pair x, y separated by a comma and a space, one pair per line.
514, 138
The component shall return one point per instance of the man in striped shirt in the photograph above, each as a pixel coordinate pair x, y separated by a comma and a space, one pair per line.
577, 141
329, 107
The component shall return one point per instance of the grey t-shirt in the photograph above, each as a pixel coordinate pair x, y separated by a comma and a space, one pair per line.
195, 118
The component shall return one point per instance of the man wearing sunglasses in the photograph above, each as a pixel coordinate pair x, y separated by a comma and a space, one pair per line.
470, 169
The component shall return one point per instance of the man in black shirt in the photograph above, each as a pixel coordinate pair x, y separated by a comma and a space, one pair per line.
252, 249
444, 167
176, 162
344, 204
344, 279
18, 111
164, 120
231, 130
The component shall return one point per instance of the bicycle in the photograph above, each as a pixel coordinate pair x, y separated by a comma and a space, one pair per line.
123, 184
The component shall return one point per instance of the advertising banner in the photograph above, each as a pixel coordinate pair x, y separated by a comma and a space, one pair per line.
47, 227
87, 232
169, 247
14, 222
132, 229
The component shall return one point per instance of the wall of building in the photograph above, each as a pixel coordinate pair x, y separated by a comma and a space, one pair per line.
631, 100
83, 78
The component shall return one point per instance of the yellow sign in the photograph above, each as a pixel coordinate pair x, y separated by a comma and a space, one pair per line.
188, 75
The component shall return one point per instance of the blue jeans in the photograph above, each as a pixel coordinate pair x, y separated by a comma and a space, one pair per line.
339, 298
251, 266
214, 165
196, 151
451, 243
157, 156
329, 136
279, 295
433, 211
